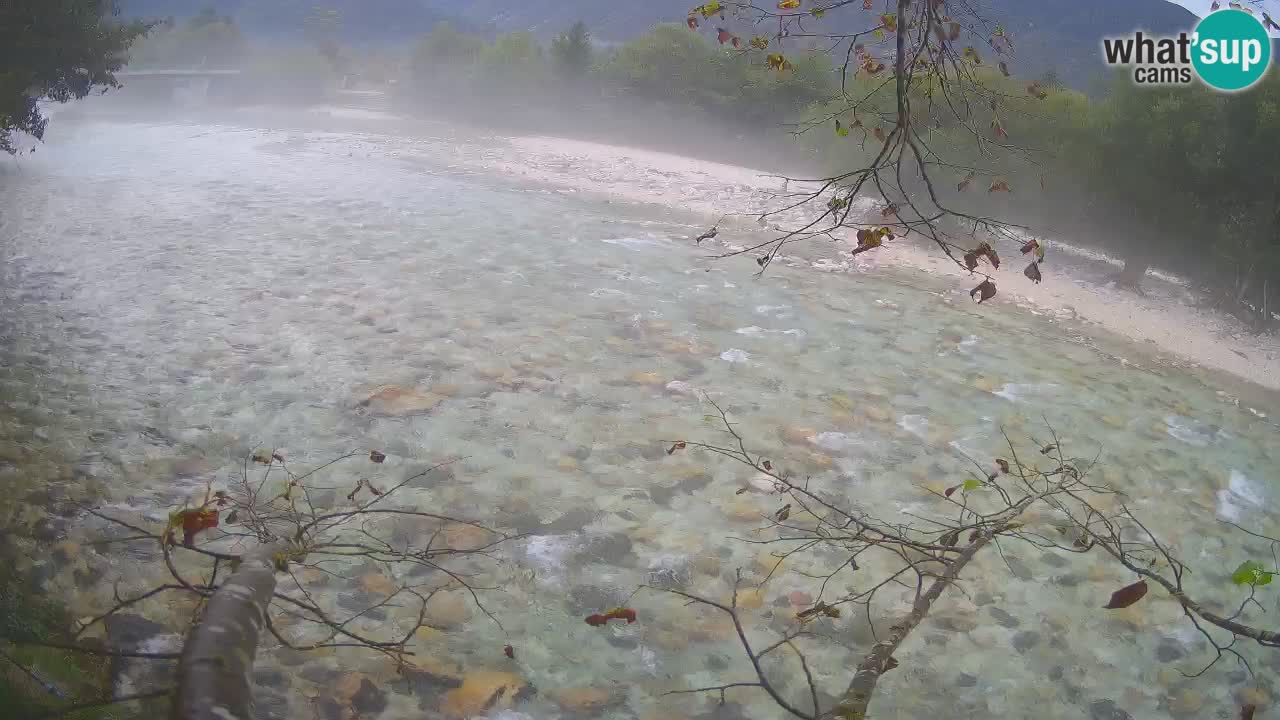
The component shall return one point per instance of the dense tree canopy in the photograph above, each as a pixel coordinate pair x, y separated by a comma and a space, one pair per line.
58, 50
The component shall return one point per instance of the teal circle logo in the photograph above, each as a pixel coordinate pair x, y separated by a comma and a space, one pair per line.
1230, 50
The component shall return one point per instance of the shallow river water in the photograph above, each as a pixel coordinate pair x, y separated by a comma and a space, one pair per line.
175, 295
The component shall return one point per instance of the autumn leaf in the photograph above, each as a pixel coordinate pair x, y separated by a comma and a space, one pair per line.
767, 465
841, 130
783, 513
777, 62
951, 490
692, 22
1004, 68
1029, 246
762, 260
192, 522
736, 43
509, 651
759, 42
879, 133
818, 12
788, 4
890, 21
971, 260
985, 291
990, 253
867, 4
618, 613
262, 457
999, 129
723, 36
878, 33
708, 9
971, 54
231, 518
999, 186
889, 210
1126, 596
837, 204
1003, 465
964, 184
953, 32
678, 446
376, 456
1033, 272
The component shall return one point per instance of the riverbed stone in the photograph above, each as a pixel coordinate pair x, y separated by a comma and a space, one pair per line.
583, 700
482, 692
400, 401
1107, 710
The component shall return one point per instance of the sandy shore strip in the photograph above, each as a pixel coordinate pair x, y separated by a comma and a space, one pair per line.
1165, 317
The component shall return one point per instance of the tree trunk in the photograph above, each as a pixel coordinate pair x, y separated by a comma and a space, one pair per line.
214, 672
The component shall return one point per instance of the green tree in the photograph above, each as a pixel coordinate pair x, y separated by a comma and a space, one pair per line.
515, 62
443, 52
572, 50
202, 42
57, 50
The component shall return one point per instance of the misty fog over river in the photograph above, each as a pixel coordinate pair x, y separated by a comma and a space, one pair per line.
174, 295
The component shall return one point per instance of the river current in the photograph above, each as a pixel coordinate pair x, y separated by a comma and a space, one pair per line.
174, 295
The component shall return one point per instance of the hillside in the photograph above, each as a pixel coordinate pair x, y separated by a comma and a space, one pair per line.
1063, 35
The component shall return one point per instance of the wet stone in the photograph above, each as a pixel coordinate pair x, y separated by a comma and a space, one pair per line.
1107, 710
1024, 641
1053, 560
1068, 580
369, 700
1003, 618
588, 599
321, 675
717, 663
624, 642
613, 549
1169, 651
1056, 673
1019, 568
270, 706
966, 680
983, 598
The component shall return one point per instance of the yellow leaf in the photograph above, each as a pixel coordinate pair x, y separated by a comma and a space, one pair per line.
788, 4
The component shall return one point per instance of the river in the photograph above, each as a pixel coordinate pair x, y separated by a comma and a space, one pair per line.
175, 295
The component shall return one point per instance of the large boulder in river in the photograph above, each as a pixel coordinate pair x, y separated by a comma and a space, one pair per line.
400, 401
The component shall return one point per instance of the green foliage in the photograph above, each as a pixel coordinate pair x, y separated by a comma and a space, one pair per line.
1251, 572
443, 50
971, 484
207, 42
58, 50
515, 61
572, 50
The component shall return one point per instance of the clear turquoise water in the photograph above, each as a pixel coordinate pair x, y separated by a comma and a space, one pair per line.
175, 295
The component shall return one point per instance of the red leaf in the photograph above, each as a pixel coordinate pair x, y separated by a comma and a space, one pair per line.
1126, 596
737, 43
1003, 464
879, 133
678, 446
951, 490
509, 651
194, 521
1030, 246
987, 290
971, 260
618, 613
1247, 711
867, 4
692, 22
723, 36
376, 456
964, 184
1033, 272
768, 465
